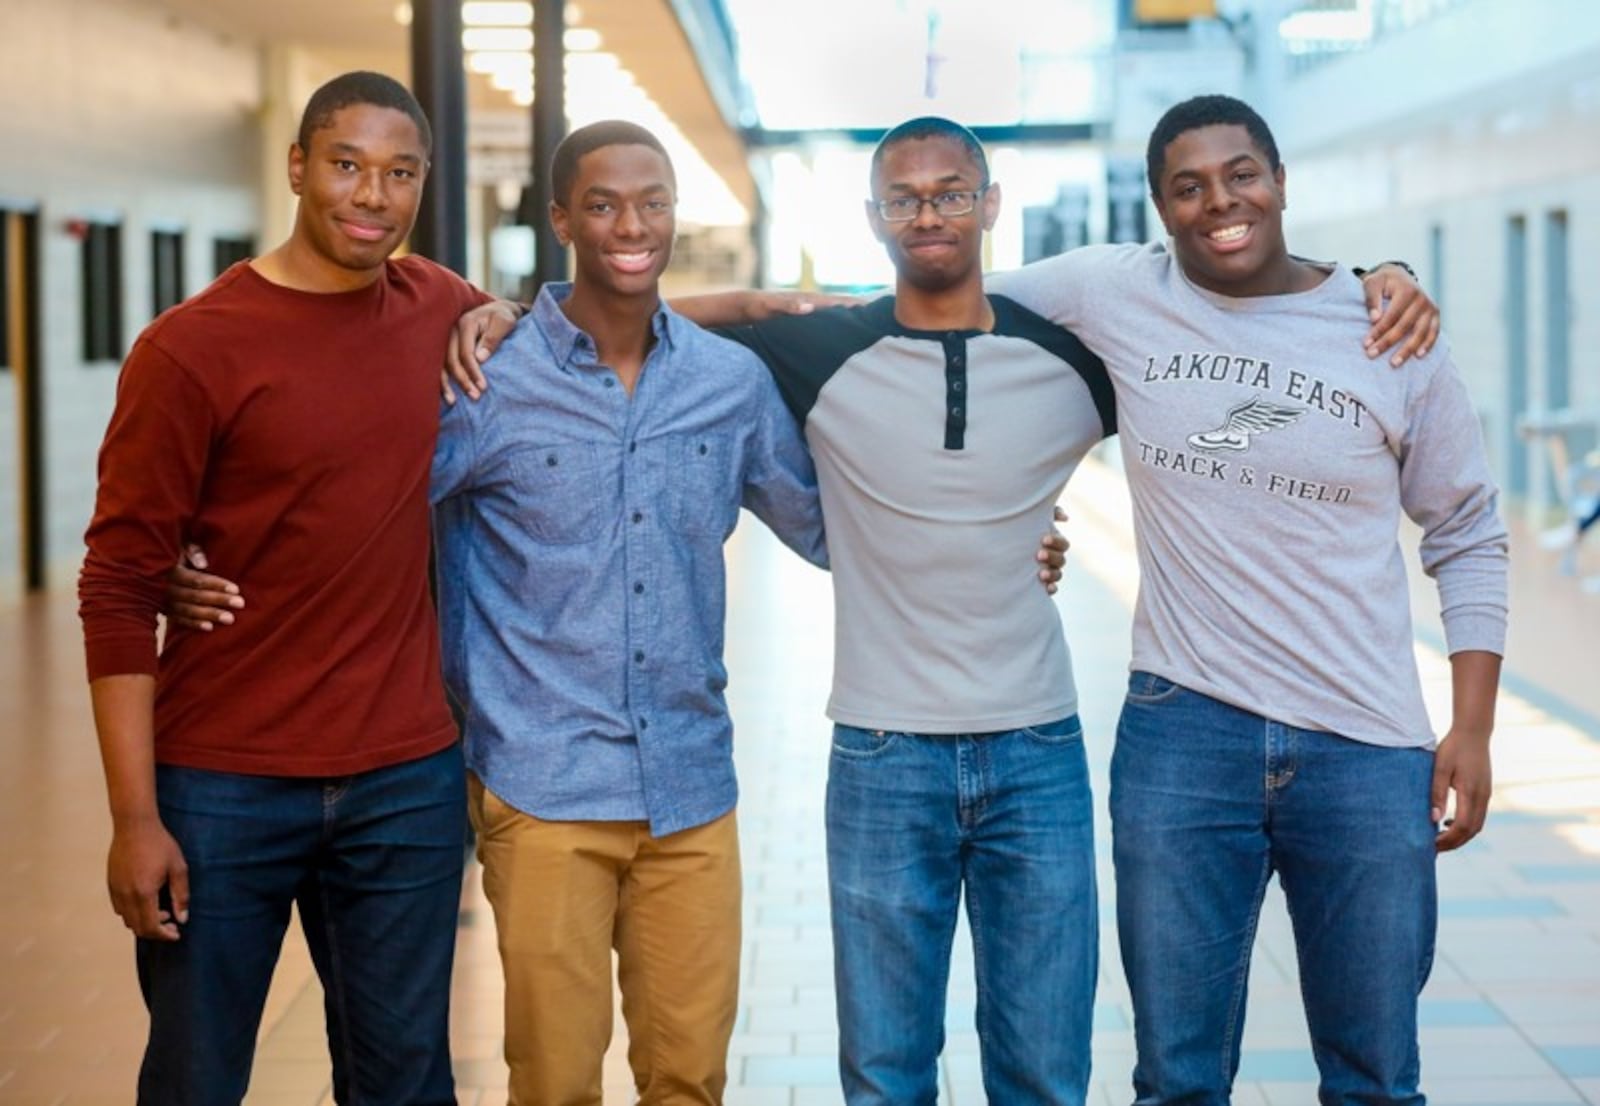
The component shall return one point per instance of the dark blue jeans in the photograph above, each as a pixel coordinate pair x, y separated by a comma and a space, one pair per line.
374, 863
1207, 802
915, 819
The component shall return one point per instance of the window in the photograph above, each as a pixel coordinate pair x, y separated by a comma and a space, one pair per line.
166, 270
102, 292
227, 251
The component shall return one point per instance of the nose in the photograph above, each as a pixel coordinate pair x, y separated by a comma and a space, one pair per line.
371, 193
1218, 197
629, 223
927, 215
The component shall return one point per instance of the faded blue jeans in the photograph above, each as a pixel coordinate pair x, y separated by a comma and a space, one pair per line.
374, 863
913, 820
1207, 802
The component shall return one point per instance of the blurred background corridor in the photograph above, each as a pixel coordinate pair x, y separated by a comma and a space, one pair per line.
144, 144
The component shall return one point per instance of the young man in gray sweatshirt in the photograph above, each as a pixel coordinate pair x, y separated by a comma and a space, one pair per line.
1274, 721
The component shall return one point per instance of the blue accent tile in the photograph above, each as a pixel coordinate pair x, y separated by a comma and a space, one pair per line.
1109, 1016
1559, 873
1437, 1013
791, 1071
1278, 1065
792, 913
1575, 1061
1501, 908
1529, 818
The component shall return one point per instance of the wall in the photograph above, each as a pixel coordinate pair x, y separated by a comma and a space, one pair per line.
115, 110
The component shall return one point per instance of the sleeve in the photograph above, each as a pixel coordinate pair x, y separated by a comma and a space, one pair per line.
802, 351
1066, 289
780, 481
1447, 489
152, 465
455, 454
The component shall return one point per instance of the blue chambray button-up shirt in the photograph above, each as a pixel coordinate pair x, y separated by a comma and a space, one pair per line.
581, 578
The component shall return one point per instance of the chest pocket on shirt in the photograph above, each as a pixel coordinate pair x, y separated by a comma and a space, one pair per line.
703, 486
561, 492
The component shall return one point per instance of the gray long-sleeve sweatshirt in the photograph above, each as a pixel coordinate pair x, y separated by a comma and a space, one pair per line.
1268, 462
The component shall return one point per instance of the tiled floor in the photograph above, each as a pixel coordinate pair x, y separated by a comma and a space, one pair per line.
1511, 1016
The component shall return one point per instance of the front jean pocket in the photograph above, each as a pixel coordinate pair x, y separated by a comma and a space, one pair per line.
560, 491
1063, 731
1148, 689
858, 744
703, 485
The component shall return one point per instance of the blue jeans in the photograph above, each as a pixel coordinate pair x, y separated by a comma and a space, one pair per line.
913, 819
374, 862
1207, 802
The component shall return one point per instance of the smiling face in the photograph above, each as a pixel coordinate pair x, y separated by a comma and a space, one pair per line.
1223, 205
932, 252
619, 219
359, 185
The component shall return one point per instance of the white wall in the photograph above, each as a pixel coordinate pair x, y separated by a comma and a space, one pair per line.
1498, 116
113, 109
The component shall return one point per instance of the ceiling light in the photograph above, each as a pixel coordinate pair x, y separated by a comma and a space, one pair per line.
498, 61
476, 14
497, 38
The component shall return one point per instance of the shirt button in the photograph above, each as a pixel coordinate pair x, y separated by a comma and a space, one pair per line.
644, 724
633, 447
638, 516
609, 382
957, 386
638, 657
638, 588
955, 412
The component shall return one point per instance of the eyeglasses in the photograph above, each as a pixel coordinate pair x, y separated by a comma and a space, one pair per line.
903, 209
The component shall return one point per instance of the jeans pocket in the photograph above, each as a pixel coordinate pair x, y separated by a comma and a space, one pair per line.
1149, 689
1062, 731
853, 743
559, 488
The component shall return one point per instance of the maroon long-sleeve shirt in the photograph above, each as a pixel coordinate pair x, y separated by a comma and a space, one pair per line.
290, 434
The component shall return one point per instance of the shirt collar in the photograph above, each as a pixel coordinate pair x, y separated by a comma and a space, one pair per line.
569, 344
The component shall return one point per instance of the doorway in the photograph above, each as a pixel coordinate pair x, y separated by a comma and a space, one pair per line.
22, 524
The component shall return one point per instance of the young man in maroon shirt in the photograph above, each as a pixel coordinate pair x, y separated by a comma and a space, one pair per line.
285, 419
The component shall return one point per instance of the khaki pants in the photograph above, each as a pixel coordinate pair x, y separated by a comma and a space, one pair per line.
564, 895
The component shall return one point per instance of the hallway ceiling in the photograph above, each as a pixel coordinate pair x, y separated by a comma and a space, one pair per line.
643, 34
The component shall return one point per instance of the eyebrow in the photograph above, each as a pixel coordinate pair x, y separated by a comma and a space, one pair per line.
599, 191
352, 148
1229, 164
948, 178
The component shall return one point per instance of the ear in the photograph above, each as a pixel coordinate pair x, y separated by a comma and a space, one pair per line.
297, 168
990, 211
558, 220
1278, 177
1161, 211
875, 221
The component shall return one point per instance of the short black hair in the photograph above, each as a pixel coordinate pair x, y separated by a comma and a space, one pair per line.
932, 126
1205, 111
586, 140
361, 87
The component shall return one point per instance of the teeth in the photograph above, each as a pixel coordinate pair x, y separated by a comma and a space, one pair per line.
1229, 234
631, 256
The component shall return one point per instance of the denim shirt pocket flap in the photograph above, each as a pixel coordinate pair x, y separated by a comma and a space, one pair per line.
703, 483
561, 488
